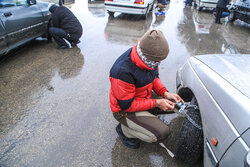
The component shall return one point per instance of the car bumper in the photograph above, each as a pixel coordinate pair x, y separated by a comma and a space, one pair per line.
208, 4
126, 8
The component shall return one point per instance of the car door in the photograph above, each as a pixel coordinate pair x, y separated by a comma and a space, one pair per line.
3, 39
22, 21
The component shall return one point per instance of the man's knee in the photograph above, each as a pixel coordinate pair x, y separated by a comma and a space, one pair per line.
163, 134
52, 30
158, 131
56, 31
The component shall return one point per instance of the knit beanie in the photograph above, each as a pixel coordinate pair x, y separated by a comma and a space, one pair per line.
53, 8
154, 45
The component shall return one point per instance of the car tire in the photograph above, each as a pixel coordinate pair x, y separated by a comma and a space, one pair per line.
231, 17
152, 6
111, 13
189, 145
199, 8
145, 16
195, 4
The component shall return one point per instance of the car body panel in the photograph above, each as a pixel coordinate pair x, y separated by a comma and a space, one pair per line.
23, 22
3, 39
18, 28
224, 117
235, 69
210, 110
235, 154
209, 157
246, 136
128, 6
207, 3
44, 8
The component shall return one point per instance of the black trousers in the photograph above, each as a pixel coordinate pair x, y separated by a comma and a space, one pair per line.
219, 11
60, 36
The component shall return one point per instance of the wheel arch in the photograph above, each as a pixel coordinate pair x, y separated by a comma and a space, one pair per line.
187, 95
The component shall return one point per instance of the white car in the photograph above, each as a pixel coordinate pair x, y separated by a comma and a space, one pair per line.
139, 7
205, 4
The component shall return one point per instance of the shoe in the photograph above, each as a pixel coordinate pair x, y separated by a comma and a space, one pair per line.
129, 142
63, 47
73, 44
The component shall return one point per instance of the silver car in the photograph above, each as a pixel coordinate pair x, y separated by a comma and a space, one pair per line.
220, 128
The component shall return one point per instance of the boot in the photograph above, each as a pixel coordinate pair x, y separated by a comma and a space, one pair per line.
129, 142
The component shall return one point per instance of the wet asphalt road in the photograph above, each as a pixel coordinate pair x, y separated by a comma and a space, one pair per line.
54, 104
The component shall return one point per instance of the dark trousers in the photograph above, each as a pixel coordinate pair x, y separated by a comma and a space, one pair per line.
60, 36
189, 2
163, 2
219, 11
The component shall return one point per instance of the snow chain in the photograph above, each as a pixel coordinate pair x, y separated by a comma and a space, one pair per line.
182, 110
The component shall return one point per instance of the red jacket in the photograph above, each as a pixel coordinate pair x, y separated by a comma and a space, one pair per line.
132, 82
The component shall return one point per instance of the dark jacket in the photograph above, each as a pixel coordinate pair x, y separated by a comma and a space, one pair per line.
63, 18
132, 83
222, 3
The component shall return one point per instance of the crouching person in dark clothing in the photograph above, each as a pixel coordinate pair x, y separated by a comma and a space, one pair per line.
133, 77
220, 7
65, 27
162, 4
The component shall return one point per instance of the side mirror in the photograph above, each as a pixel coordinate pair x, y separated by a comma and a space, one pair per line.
31, 2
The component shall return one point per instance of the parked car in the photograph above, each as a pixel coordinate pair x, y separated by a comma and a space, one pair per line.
240, 10
139, 7
205, 4
220, 127
21, 21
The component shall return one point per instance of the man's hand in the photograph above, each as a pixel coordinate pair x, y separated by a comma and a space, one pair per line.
173, 97
165, 104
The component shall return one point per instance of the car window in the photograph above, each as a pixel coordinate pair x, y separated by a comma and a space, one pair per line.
9, 3
21, 2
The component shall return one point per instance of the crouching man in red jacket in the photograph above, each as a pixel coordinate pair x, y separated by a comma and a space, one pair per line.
133, 77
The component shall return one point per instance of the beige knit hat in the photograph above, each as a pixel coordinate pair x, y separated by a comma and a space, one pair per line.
154, 45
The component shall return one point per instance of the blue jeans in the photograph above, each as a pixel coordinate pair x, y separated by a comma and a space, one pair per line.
59, 35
